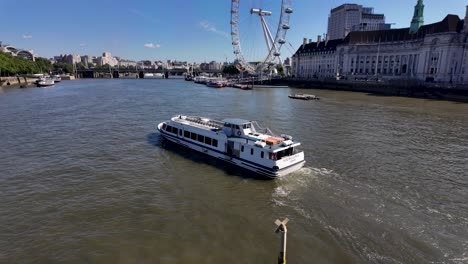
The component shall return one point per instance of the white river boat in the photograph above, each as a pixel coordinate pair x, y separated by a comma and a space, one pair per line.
236, 141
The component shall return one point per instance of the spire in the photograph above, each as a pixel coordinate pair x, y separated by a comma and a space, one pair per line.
418, 17
465, 22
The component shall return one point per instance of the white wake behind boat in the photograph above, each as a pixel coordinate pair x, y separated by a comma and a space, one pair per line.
236, 141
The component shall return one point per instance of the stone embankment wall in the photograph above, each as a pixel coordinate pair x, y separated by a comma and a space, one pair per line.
408, 88
16, 81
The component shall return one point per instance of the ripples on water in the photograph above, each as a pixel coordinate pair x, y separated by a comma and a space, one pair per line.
84, 177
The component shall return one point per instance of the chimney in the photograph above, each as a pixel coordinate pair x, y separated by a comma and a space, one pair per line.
304, 42
319, 38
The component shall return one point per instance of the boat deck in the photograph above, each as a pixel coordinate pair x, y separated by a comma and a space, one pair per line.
199, 122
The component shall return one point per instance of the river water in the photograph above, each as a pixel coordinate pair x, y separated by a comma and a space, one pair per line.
85, 178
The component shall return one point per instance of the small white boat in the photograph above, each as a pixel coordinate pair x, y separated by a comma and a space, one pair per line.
45, 82
304, 96
236, 141
200, 79
153, 76
56, 78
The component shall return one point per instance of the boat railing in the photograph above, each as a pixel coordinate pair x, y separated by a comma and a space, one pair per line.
262, 130
210, 123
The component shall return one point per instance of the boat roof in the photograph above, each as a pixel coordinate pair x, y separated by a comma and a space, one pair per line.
236, 121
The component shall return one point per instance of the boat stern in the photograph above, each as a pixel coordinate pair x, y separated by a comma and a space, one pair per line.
289, 164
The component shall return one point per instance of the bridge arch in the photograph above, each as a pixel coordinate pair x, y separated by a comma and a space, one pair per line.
26, 54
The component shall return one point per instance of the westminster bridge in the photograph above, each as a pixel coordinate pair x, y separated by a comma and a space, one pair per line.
137, 73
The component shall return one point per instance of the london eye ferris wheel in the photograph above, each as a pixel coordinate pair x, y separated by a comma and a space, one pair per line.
252, 22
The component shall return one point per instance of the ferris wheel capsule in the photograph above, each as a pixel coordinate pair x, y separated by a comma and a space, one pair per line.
281, 41
288, 10
286, 26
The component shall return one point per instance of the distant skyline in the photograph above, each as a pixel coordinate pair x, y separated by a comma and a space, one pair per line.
188, 30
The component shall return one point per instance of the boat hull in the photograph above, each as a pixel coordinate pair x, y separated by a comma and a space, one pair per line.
258, 169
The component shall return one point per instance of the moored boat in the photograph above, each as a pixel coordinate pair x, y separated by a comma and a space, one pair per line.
242, 86
304, 96
215, 84
56, 78
45, 82
153, 76
200, 79
239, 142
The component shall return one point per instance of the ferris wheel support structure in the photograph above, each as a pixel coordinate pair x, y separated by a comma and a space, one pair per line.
273, 44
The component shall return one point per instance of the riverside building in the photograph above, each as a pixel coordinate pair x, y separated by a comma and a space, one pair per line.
434, 53
352, 17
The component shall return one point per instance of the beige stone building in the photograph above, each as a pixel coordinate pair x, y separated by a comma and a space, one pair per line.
434, 53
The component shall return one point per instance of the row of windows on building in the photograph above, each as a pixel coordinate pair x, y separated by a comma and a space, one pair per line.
385, 59
191, 135
309, 53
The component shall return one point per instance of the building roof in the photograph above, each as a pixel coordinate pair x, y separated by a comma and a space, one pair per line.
451, 23
373, 16
322, 46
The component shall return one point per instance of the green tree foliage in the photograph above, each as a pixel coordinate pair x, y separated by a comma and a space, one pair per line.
280, 70
62, 67
11, 65
231, 70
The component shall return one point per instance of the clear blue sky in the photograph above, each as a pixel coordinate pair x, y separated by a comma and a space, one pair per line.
192, 30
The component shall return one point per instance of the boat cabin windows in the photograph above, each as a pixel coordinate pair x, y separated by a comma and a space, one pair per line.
262, 154
172, 129
251, 151
164, 126
201, 139
247, 126
242, 148
284, 153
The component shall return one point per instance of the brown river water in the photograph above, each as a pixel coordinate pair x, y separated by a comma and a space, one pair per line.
85, 178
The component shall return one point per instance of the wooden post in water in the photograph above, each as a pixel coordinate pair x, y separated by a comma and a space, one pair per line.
283, 231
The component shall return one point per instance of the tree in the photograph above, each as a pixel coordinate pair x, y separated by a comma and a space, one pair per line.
231, 70
12, 65
62, 67
280, 70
